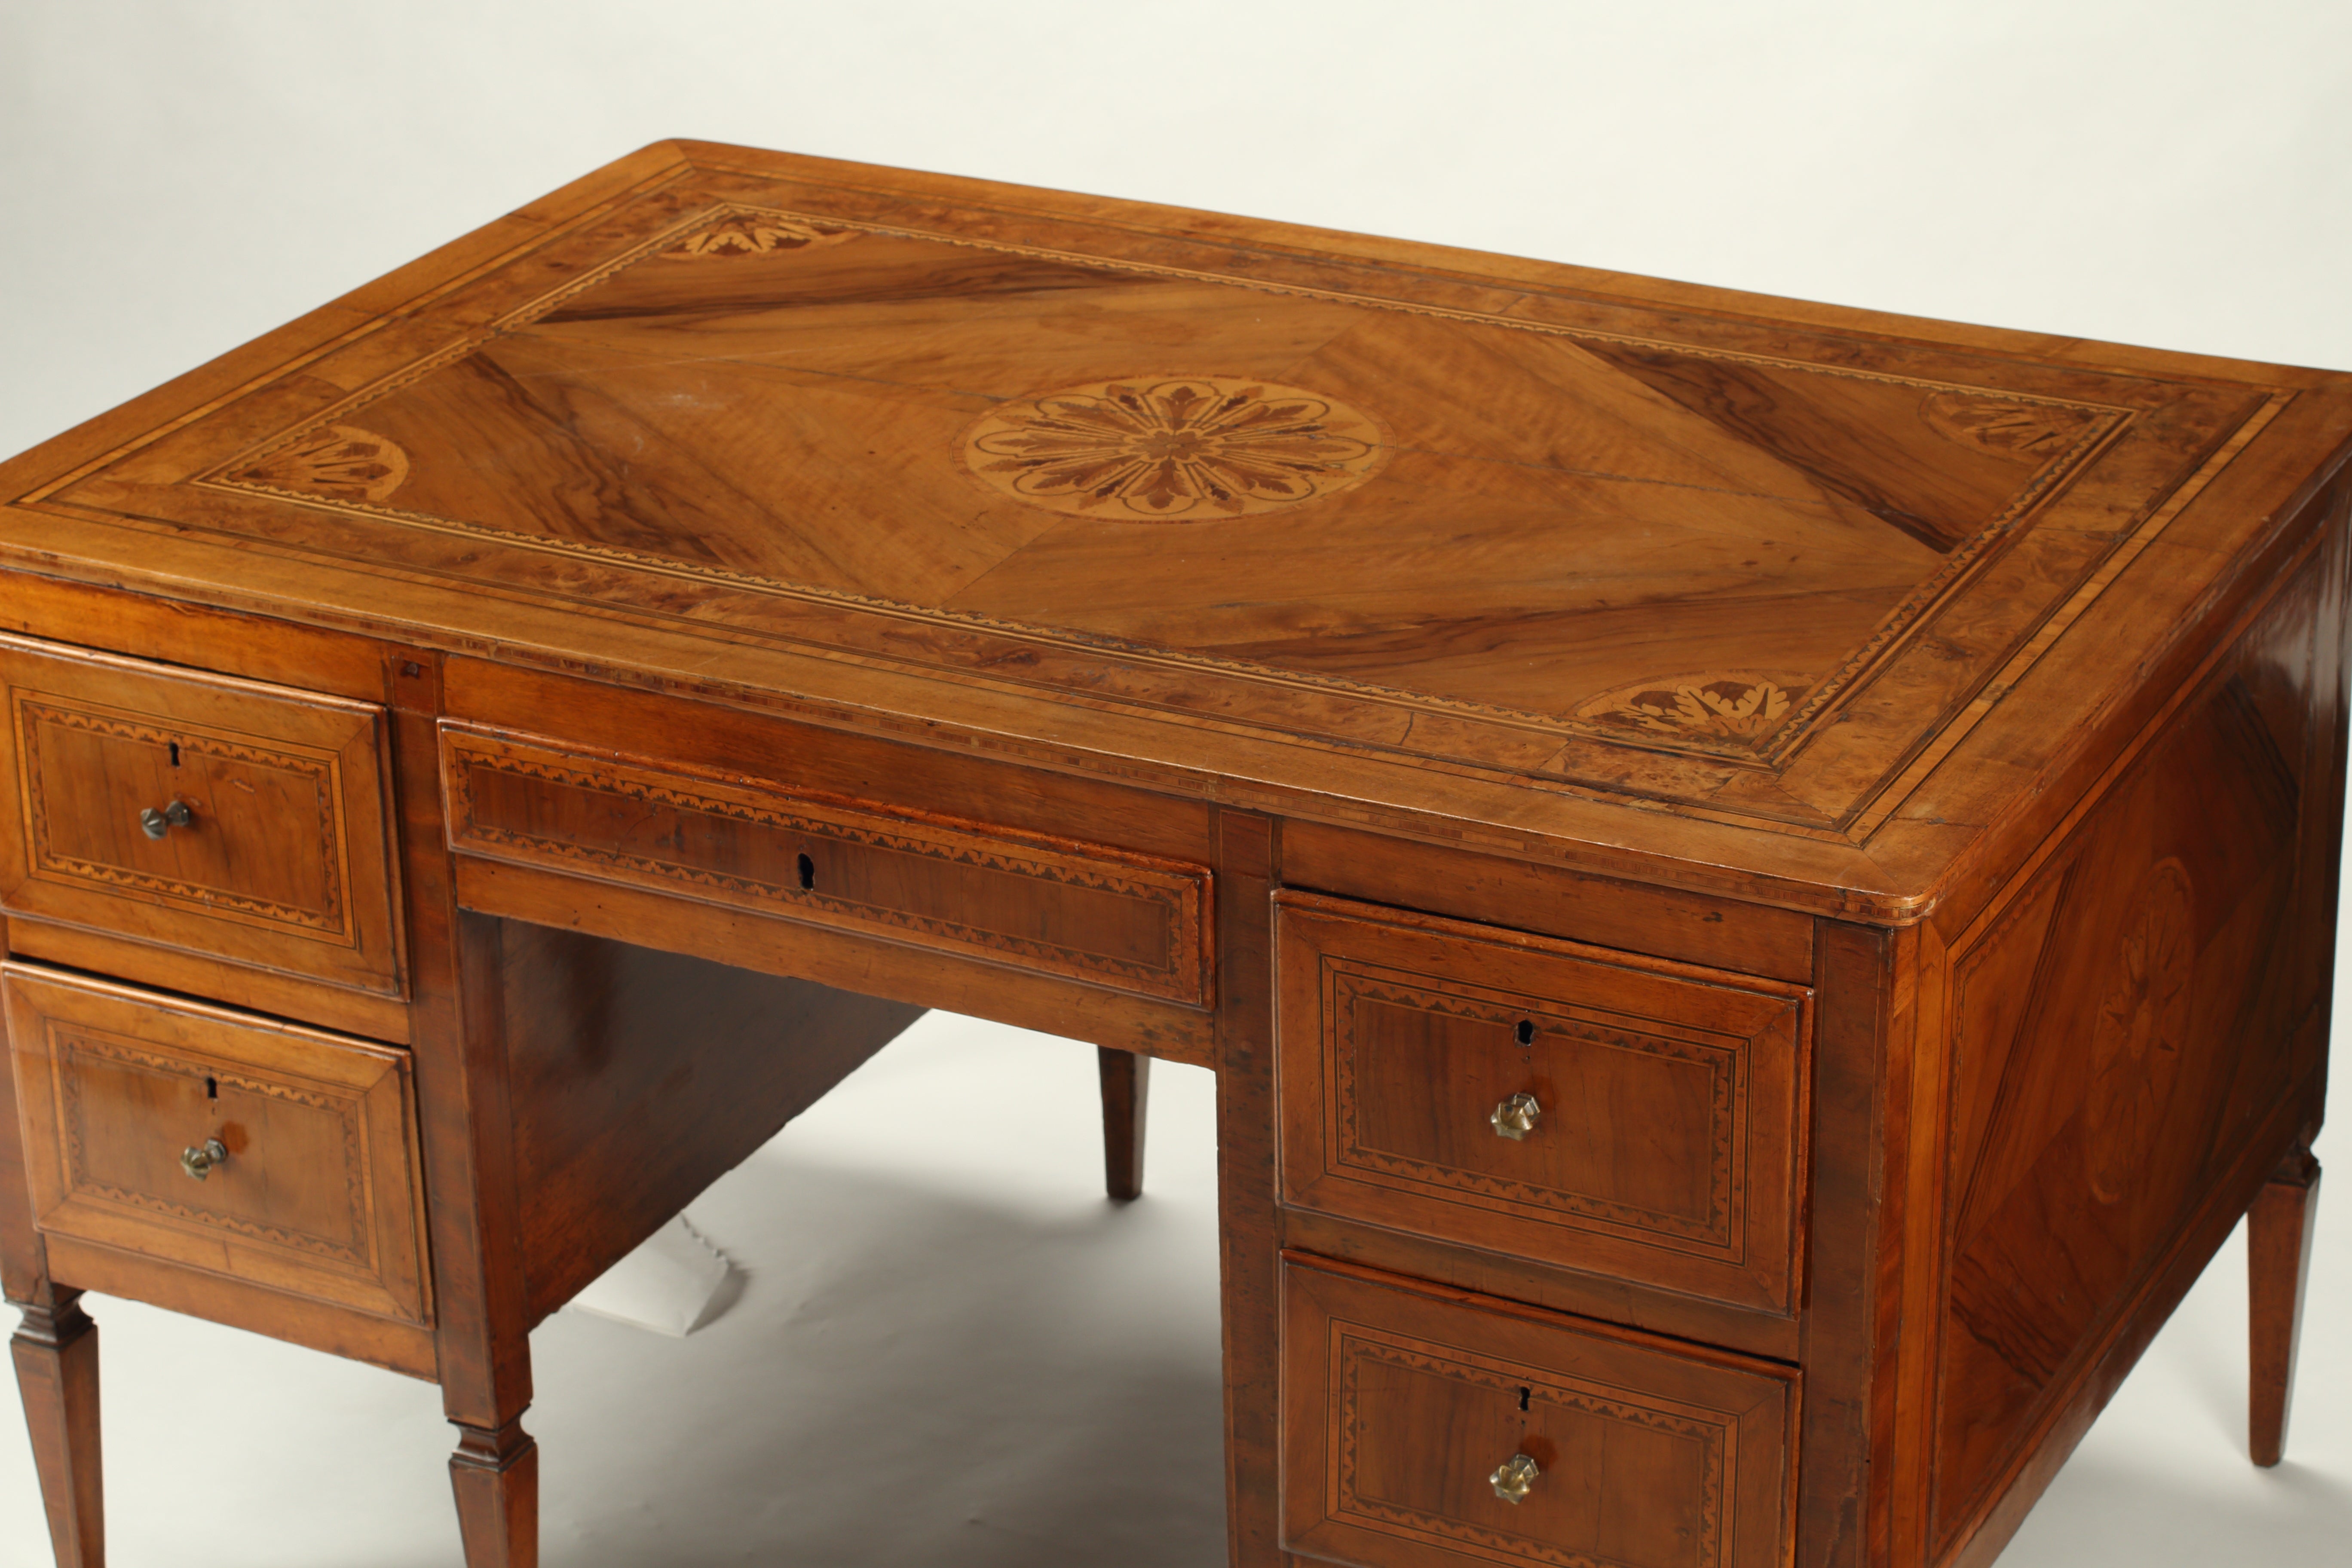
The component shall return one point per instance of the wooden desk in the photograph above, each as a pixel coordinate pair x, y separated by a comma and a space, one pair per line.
1759, 879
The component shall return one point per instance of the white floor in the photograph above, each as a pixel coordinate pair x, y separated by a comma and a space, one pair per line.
949, 1349
950, 1352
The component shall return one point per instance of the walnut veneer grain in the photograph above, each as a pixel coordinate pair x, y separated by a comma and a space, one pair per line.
1877, 784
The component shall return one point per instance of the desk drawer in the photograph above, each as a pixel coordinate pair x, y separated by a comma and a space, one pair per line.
1074, 911
274, 850
315, 1189
1665, 1101
1405, 1408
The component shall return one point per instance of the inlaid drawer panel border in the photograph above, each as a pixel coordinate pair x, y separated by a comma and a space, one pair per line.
322, 767
1741, 1162
1342, 1322
1169, 897
1716, 1431
229, 733
1720, 1236
64, 1029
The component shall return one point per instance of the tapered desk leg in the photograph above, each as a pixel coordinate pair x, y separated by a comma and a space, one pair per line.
2278, 1261
1126, 1093
482, 1297
496, 1475
56, 1353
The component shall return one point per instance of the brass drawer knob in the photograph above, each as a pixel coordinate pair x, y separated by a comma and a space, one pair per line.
155, 824
1514, 1478
1516, 1117
203, 1162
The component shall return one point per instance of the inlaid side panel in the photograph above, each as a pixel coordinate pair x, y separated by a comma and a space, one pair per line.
222, 816
1422, 1428
1551, 1101
1075, 910
2123, 1036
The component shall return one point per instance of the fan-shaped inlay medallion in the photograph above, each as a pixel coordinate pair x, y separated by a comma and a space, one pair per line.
336, 462
1724, 710
756, 234
1172, 451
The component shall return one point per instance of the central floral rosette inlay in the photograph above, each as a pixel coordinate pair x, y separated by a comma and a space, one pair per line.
1187, 449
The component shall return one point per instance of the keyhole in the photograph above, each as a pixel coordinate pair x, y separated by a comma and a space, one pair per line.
175, 753
1526, 1031
808, 873
1525, 1395
212, 1089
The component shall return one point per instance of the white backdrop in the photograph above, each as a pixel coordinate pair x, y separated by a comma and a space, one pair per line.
944, 1330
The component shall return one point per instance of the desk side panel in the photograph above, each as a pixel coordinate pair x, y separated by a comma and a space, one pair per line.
2135, 1037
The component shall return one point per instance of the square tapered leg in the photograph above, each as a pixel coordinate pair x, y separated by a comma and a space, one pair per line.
2278, 1263
56, 1351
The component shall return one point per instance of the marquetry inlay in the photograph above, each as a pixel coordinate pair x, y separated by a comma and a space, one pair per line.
1082, 911
60, 833
754, 234
1172, 451
338, 462
77, 1051
2141, 1027
1733, 712
2005, 424
1702, 1444
1365, 1000
1573, 505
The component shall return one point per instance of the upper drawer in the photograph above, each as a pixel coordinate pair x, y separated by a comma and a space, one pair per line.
1079, 912
225, 817
1561, 1103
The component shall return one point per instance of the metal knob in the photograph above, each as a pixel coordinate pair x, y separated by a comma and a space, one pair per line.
1516, 1117
156, 824
1513, 1478
202, 1163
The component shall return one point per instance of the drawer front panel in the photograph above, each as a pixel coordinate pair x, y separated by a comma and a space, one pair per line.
267, 843
1554, 1102
1079, 912
314, 1190
1403, 1406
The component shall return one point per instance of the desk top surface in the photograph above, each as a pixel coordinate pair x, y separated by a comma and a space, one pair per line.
1551, 560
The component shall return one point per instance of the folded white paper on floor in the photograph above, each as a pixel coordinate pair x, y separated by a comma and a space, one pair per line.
673, 1284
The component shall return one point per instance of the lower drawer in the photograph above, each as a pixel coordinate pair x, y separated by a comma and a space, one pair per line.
1428, 1428
197, 1140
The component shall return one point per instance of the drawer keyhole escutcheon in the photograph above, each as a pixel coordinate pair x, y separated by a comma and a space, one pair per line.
1516, 1117
1513, 1478
201, 1162
155, 824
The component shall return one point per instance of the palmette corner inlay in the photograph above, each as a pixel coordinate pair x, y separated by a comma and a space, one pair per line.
1181, 450
335, 462
2005, 424
1722, 710
755, 234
